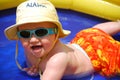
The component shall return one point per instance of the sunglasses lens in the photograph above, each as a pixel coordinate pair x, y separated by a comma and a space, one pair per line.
25, 34
41, 32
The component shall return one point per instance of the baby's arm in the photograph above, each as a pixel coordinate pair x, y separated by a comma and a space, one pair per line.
109, 27
55, 67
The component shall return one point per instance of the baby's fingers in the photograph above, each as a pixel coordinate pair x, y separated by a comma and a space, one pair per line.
33, 71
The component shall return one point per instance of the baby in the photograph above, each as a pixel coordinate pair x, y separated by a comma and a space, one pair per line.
39, 29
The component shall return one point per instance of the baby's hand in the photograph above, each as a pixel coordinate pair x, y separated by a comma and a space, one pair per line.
33, 71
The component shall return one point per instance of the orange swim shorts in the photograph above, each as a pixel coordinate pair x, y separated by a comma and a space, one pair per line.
103, 50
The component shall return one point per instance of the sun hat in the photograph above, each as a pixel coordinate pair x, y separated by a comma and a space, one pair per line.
33, 11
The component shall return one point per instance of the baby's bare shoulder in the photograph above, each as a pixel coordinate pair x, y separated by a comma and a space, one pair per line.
58, 58
57, 64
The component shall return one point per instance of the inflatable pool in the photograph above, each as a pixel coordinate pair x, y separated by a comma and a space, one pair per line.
70, 19
107, 9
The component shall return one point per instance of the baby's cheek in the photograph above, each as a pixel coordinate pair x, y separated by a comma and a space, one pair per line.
47, 44
25, 44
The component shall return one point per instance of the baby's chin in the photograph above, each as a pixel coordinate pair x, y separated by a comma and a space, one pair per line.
37, 54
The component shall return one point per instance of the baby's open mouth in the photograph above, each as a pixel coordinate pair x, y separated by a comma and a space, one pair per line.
36, 47
36, 50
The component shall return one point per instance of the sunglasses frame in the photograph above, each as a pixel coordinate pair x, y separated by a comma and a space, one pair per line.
32, 32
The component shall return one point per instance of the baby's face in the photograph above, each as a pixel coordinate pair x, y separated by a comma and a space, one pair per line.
37, 44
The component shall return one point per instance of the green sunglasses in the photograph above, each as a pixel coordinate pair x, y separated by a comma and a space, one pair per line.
40, 32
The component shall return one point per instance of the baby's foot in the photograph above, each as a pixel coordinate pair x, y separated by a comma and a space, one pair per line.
33, 71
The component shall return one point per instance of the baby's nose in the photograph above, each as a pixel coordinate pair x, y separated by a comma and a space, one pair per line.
34, 39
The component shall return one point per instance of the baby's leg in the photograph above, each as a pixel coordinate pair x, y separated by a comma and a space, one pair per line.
109, 27
102, 49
